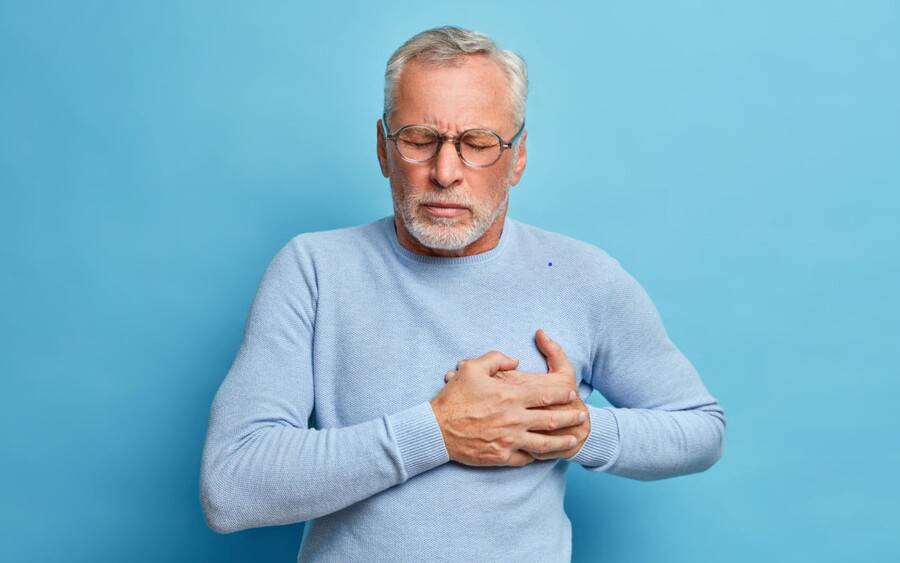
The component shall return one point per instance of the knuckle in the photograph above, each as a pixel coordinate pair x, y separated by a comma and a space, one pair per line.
505, 420
497, 453
505, 442
491, 355
514, 378
553, 422
505, 396
543, 445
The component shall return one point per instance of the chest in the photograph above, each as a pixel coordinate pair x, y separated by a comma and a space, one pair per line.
382, 346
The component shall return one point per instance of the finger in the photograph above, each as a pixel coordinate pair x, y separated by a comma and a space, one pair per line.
517, 377
519, 458
545, 443
546, 394
538, 419
492, 362
557, 361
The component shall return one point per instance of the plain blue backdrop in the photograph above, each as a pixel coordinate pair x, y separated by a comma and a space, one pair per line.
741, 161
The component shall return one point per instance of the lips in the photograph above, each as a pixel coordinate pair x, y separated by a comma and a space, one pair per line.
445, 210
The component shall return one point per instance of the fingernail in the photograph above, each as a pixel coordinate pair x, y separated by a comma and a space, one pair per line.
572, 440
582, 416
572, 395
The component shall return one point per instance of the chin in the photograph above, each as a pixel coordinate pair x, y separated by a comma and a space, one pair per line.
441, 236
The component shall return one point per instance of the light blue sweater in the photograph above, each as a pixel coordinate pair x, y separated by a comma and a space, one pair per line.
324, 415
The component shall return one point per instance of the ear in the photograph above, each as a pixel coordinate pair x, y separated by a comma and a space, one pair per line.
519, 166
381, 149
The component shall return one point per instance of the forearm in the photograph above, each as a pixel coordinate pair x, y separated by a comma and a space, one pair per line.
281, 474
663, 422
649, 444
261, 463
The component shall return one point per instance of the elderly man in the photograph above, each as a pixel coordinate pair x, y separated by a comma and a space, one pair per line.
414, 387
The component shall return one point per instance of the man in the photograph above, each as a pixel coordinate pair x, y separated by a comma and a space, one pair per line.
414, 387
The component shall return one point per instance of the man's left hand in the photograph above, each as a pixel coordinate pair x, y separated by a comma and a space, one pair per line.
558, 368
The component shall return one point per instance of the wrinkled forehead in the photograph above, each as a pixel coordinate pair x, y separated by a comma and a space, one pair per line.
467, 93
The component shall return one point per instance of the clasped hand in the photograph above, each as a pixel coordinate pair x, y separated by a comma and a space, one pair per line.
490, 413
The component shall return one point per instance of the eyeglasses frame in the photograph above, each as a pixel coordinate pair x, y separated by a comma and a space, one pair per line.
455, 140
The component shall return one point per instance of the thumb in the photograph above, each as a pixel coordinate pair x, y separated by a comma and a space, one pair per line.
557, 361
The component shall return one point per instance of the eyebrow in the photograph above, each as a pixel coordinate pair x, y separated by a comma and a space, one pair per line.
444, 131
462, 130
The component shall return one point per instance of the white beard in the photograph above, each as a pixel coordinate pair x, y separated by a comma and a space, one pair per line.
447, 233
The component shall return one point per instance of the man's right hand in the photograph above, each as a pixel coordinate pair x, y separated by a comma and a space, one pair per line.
485, 421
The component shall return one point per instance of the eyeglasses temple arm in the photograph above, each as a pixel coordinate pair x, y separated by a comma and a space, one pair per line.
384, 126
516, 136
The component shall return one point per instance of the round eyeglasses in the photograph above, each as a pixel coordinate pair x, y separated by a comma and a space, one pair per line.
477, 148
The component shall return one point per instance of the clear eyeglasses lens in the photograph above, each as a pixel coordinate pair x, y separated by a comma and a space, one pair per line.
478, 147
417, 143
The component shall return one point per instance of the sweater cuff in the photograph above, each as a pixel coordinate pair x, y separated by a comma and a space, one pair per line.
602, 444
419, 439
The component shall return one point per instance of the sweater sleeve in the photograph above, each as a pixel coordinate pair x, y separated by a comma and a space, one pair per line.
262, 465
663, 422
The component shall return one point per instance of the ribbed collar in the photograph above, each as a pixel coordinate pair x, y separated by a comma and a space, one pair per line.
390, 231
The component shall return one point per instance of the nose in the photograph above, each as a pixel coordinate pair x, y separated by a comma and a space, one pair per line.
447, 168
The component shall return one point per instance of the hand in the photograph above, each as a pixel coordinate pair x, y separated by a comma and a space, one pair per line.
484, 421
560, 370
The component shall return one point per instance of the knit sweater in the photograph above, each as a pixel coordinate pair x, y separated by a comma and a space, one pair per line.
324, 415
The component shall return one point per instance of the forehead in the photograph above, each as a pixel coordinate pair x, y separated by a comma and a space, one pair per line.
474, 93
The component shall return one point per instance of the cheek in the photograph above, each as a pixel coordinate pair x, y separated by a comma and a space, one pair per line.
488, 186
412, 177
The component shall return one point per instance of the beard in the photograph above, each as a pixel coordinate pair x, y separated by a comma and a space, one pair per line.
450, 233
447, 233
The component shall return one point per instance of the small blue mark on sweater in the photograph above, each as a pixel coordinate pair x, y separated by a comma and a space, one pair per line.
549, 263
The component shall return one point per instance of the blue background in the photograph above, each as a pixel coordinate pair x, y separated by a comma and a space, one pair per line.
741, 161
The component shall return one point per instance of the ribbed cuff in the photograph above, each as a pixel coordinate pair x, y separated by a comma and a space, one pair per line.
602, 444
419, 439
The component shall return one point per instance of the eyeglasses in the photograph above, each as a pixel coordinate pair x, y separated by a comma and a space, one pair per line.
477, 148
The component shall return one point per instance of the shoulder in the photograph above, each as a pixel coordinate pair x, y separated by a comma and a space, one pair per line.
589, 257
334, 240
338, 245
600, 274
309, 253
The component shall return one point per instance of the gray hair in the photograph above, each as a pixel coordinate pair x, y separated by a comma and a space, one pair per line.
446, 46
